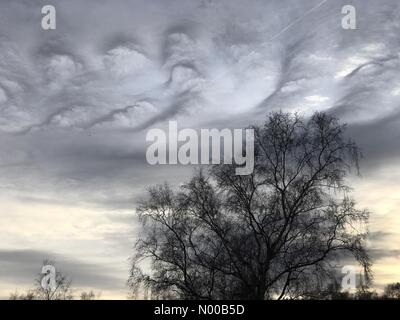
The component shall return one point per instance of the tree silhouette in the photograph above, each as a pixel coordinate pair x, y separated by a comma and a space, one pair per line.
392, 291
273, 234
61, 291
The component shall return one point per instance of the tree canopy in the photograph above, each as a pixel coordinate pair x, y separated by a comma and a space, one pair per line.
276, 233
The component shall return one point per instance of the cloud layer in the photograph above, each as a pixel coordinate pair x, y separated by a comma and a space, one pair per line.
75, 102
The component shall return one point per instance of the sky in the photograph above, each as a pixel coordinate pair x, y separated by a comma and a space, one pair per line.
76, 103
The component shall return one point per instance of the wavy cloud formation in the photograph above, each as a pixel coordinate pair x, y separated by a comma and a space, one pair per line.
76, 102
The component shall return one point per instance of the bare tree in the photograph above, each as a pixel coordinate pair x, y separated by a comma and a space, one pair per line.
276, 233
89, 295
392, 291
61, 291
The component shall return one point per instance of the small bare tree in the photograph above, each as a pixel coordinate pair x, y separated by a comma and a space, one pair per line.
89, 295
29, 295
274, 234
61, 291
392, 291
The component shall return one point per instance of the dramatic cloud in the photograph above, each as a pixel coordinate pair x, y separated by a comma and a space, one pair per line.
76, 103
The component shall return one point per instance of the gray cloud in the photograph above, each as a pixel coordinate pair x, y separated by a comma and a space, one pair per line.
75, 102
22, 267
